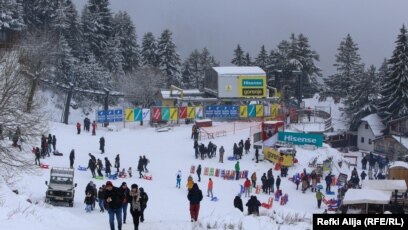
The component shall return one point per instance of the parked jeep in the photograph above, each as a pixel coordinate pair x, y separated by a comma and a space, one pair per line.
61, 187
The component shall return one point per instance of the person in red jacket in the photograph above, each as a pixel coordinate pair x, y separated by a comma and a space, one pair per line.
78, 126
247, 186
210, 188
93, 128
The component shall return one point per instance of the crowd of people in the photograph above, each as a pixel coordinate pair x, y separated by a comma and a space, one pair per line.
238, 150
115, 200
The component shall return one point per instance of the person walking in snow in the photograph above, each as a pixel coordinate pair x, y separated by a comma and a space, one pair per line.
271, 185
253, 206
210, 188
108, 166
257, 155
190, 183
135, 208
88, 202
238, 203
78, 126
328, 180
247, 146
102, 144
144, 198
54, 142
319, 197
145, 162
101, 198
195, 196
71, 158
198, 171
278, 182
247, 186
126, 197
99, 167
49, 141
178, 179
364, 162
253, 179
313, 175
37, 154
93, 128
221, 154
140, 167
114, 199
117, 163
92, 167
237, 168
195, 146
264, 182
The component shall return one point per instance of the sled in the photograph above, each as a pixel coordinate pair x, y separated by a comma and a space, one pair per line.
148, 177
277, 166
211, 172
99, 177
192, 169
284, 199
232, 158
113, 177
217, 172
80, 168
330, 193
244, 174
319, 186
44, 166
123, 176
215, 199
258, 189
232, 175
56, 153
222, 173
269, 204
206, 169
226, 174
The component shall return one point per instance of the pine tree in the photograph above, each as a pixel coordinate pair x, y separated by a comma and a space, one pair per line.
394, 93
11, 15
169, 59
149, 51
113, 59
43, 14
349, 67
186, 80
262, 59
363, 97
247, 60
206, 61
239, 57
90, 74
125, 31
195, 65
64, 64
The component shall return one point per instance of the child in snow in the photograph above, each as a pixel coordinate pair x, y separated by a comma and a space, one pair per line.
190, 182
122, 173
88, 201
178, 179
130, 172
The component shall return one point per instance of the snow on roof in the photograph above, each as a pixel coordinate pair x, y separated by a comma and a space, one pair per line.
367, 196
175, 93
385, 185
399, 164
402, 140
375, 122
237, 70
272, 122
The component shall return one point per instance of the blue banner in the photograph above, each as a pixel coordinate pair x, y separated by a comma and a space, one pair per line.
105, 116
221, 111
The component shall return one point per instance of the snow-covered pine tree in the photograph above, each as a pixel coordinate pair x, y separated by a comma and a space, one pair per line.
262, 59
73, 33
186, 80
207, 61
247, 60
363, 97
64, 64
169, 59
44, 12
239, 57
125, 31
11, 15
349, 67
149, 51
195, 65
97, 28
394, 103
89, 74
113, 59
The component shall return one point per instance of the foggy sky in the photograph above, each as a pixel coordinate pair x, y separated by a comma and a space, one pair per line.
221, 24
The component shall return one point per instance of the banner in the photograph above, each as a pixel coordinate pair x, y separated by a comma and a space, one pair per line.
301, 138
156, 114
274, 155
173, 114
182, 112
138, 114
243, 111
251, 110
146, 114
221, 111
267, 111
259, 110
254, 86
111, 115
191, 112
165, 113
129, 115
275, 110
199, 112
118, 115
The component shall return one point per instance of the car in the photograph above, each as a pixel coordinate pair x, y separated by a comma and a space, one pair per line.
61, 187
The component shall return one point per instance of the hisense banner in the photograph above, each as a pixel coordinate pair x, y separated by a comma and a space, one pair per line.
301, 138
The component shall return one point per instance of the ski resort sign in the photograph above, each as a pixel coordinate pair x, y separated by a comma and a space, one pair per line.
301, 138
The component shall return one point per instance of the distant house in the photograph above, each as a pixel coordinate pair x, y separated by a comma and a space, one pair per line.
370, 128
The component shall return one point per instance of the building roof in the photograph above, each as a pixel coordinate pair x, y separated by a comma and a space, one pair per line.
176, 94
367, 196
402, 140
375, 123
385, 185
399, 164
237, 70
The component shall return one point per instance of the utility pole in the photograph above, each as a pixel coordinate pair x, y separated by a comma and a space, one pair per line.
68, 103
106, 105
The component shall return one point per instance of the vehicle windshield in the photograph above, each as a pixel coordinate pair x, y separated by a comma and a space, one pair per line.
61, 180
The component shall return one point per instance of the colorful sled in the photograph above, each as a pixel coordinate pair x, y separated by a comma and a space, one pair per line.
80, 168
211, 172
257, 189
192, 169
44, 166
226, 174
56, 153
232, 158
148, 177
231, 175
99, 177
113, 176
206, 171
123, 176
222, 173
217, 172
330, 193
269, 204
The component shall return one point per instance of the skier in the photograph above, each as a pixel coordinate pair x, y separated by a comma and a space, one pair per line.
222, 154
102, 144
194, 196
93, 128
135, 207
253, 206
71, 158
144, 198
237, 170
78, 126
238, 203
99, 167
108, 166
117, 163
178, 179
198, 171
210, 188
319, 197
278, 181
253, 179
114, 198
54, 142
140, 167
126, 197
